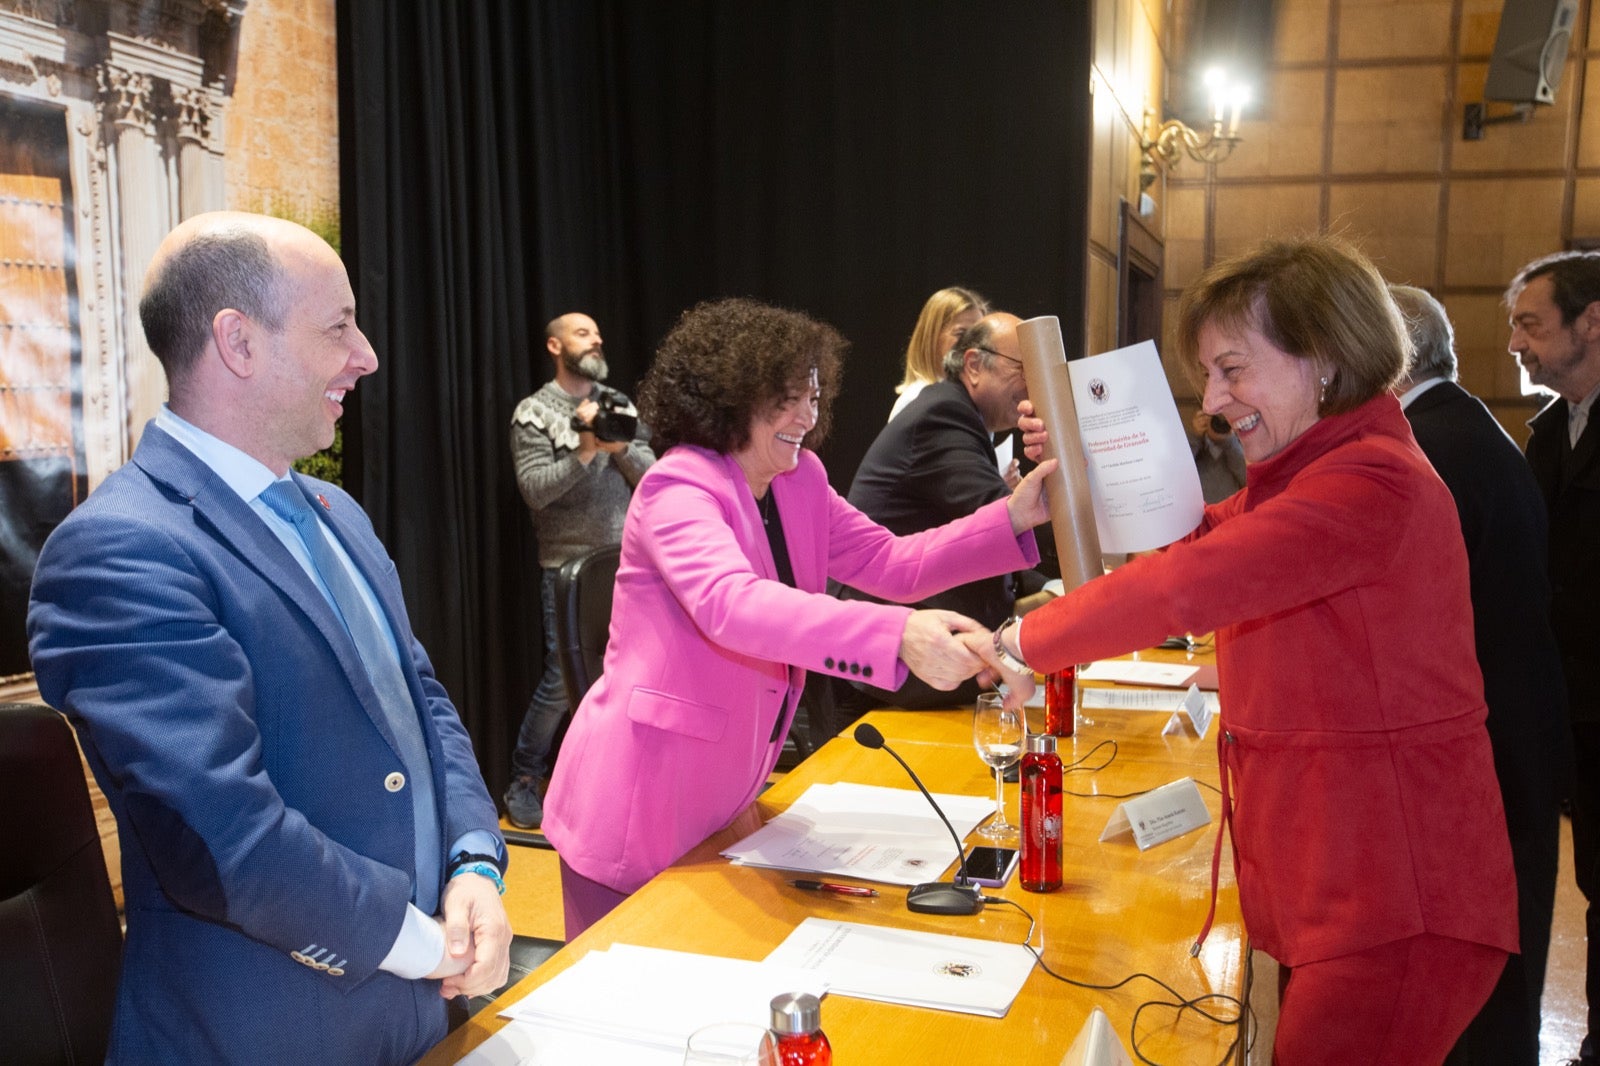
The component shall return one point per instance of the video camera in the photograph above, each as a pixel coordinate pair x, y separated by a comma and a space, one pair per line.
613, 422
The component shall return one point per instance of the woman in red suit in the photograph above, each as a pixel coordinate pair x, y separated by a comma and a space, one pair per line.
1359, 789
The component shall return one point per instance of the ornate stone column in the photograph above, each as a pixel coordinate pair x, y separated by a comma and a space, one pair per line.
200, 177
144, 216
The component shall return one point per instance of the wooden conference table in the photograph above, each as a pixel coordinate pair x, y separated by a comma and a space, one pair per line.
1119, 910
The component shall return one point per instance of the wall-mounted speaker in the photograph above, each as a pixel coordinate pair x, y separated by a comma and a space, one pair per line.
1530, 50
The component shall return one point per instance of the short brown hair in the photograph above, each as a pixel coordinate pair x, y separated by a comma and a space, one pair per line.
727, 361
231, 265
1316, 298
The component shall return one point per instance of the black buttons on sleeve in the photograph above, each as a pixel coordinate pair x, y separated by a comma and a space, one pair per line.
845, 666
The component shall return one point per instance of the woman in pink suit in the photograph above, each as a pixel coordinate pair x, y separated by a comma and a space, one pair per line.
720, 605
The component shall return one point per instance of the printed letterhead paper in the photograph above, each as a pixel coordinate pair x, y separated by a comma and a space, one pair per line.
889, 835
955, 973
1142, 476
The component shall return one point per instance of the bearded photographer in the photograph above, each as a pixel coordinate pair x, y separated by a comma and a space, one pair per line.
578, 449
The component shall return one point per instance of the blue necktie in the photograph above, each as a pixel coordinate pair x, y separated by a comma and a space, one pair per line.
290, 504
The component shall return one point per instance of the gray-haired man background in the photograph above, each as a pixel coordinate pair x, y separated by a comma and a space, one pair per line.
1503, 524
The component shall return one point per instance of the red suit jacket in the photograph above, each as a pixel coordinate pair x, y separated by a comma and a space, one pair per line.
1366, 808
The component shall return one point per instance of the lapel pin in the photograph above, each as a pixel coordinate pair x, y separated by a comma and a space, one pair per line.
326, 506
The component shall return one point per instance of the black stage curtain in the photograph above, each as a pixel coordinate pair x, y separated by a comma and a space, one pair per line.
507, 161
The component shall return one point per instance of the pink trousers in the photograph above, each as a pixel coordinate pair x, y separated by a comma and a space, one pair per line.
584, 902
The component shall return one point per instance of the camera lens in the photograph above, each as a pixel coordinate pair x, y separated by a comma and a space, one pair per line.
613, 426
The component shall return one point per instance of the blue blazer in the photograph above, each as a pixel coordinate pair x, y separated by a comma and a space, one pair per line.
266, 827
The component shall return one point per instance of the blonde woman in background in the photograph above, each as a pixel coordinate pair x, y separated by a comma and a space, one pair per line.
944, 317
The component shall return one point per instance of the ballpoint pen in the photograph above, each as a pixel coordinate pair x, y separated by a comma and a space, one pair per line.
829, 886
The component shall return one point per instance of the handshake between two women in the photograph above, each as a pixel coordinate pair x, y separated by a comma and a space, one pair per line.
945, 648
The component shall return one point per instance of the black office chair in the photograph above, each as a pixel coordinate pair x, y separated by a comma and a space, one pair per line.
583, 592
60, 940
583, 617
527, 952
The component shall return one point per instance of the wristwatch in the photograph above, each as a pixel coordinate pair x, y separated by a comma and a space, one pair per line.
1009, 661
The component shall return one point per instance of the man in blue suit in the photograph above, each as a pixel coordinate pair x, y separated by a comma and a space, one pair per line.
310, 858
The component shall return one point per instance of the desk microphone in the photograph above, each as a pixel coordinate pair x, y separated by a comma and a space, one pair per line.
931, 897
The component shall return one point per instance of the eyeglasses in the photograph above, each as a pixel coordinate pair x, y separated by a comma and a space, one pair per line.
1013, 360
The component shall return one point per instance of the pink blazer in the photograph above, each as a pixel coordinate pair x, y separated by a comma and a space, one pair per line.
708, 650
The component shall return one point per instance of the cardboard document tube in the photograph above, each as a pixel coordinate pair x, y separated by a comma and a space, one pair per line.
1044, 363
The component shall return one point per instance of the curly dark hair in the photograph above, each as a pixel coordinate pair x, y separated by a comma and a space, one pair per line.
725, 362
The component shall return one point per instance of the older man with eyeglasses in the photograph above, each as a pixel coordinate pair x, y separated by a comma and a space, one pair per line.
935, 461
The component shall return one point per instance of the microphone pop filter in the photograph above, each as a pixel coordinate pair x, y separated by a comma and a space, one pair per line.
868, 736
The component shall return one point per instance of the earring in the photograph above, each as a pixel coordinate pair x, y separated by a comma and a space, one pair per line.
1323, 398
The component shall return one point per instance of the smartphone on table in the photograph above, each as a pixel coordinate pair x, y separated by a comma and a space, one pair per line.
991, 867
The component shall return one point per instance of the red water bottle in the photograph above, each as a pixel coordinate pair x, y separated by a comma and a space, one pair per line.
797, 1025
1060, 710
1041, 815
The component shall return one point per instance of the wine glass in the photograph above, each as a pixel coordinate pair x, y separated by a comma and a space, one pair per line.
731, 1044
997, 733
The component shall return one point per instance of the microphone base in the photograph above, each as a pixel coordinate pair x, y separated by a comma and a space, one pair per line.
939, 897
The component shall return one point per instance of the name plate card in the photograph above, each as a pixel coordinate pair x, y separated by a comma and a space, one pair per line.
1160, 814
1097, 1044
1194, 713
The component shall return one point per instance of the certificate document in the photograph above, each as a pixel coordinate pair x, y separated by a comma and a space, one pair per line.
907, 966
881, 834
1142, 476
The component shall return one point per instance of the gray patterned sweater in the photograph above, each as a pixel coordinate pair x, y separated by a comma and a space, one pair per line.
574, 507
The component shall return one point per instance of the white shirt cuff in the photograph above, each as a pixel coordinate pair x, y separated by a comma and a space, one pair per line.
418, 950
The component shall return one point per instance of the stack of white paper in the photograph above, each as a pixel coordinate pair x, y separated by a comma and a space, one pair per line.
1139, 672
635, 1005
1165, 700
877, 834
521, 1044
954, 973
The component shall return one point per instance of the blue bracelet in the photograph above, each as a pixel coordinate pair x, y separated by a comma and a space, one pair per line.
482, 869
